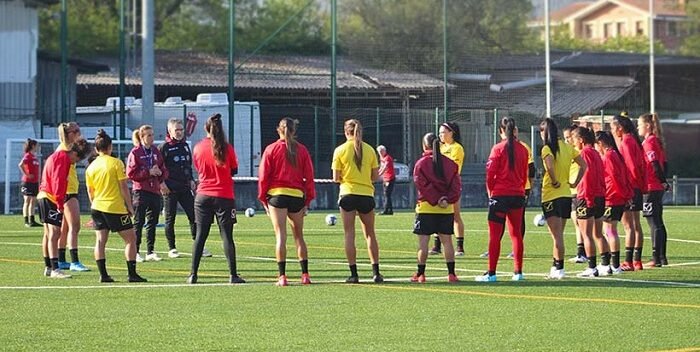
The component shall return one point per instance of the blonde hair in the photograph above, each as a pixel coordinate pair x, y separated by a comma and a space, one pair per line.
354, 128
63, 128
654, 126
136, 136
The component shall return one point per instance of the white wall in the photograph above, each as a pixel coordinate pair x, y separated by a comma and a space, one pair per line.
19, 41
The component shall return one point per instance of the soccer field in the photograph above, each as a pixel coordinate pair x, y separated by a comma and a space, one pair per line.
651, 310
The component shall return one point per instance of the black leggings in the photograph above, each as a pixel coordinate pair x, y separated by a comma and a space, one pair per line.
147, 208
388, 190
205, 208
654, 210
170, 201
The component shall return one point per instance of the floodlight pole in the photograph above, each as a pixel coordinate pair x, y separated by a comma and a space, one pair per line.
444, 58
231, 68
652, 83
122, 59
64, 61
147, 62
548, 74
334, 34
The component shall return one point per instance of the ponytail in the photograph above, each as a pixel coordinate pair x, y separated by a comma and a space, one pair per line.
551, 135
432, 142
63, 129
102, 141
288, 134
218, 138
29, 145
627, 127
354, 127
606, 138
655, 125
508, 128
585, 134
136, 138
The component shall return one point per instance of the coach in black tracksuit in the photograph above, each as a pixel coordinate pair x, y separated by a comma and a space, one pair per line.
178, 160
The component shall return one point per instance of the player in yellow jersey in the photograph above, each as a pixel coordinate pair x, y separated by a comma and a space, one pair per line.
580, 250
451, 147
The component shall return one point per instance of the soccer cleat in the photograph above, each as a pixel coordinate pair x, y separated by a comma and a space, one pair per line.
626, 266
235, 279
378, 279
136, 278
604, 270
459, 251
590, 272
652, 264
484, 255
637, 264
305, 279
192, 279
78, 266
153, 257
173, 253
282, 281
511, 255
35, 224
664, 261
435, 250
206, 253
106, 279
47, 271
517, 277
352, 280
64, 265
616, 271
418, 278
26, 224
556, 274
139, 258
485, 278
578, 259
452, 278
58, 274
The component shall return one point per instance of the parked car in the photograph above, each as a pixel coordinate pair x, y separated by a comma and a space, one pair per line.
403, 172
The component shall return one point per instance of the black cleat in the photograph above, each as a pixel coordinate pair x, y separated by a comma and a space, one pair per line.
235, 279
192, 279
378, 279
352, 280
106, 279
136, 278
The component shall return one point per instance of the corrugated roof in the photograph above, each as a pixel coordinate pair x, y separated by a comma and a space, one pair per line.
661, 7
265, 72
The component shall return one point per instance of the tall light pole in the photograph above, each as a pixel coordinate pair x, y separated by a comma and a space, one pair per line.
652, 83
231, 67
548, 74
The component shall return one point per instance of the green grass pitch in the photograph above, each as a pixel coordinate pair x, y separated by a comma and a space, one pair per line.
650, 310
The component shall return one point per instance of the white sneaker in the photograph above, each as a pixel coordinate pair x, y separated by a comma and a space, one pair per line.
615, 271
47, 272
578, 259
173, 253
206, 253
139, 258
58, 274
517, 277
555, 274
604, 270
590, 272
153, 257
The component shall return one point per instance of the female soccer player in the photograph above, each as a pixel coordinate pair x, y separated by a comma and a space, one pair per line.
439, 188
286, 188
355, 166
589, 204
580, 250
655, 162
180, 185
216, 163
146, 169
506, 176
451, 147
111, 206
618, 191
52, 198
29, 167
630, 147
556, 197
69, 133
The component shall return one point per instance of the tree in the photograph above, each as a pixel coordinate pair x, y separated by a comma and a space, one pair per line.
563, 40
691, 44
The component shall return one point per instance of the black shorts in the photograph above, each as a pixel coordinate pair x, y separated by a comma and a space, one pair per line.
30, 189
48, 213
292, 204
560, 207
636, 203
351, 202
503, 204
70, 196
583, 211
613, 213
653, 203
428, 224
111, 222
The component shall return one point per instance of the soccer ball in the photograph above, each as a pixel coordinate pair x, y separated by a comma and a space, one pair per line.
539, 220
331, 219
250, 212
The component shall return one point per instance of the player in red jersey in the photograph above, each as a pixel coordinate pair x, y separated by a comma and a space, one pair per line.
590, 204
216, 163
630, 147
286, 188
618, 192
506, 176
29, 167
655, 161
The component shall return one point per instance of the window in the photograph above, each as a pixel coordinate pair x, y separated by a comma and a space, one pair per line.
589, 31
639, 26
621, 29
607, 30
673, 29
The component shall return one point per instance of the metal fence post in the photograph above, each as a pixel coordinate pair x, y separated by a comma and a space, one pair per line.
675, 189
696, 195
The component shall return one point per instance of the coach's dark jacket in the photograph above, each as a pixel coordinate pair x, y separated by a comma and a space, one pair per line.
178, 160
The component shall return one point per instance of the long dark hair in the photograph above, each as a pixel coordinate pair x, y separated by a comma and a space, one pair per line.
551, 135
289, 135
102, 141
432, 142
354, 127
606, 138
508, 128
627, 127
218, 138
29, 145
454, 128
81, 147
585, 134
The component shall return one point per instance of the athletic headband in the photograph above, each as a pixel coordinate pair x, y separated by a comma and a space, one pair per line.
447, 126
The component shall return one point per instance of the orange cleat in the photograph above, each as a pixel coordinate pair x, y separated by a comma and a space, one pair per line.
638, 265
418, 278
305, 279
282, 281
